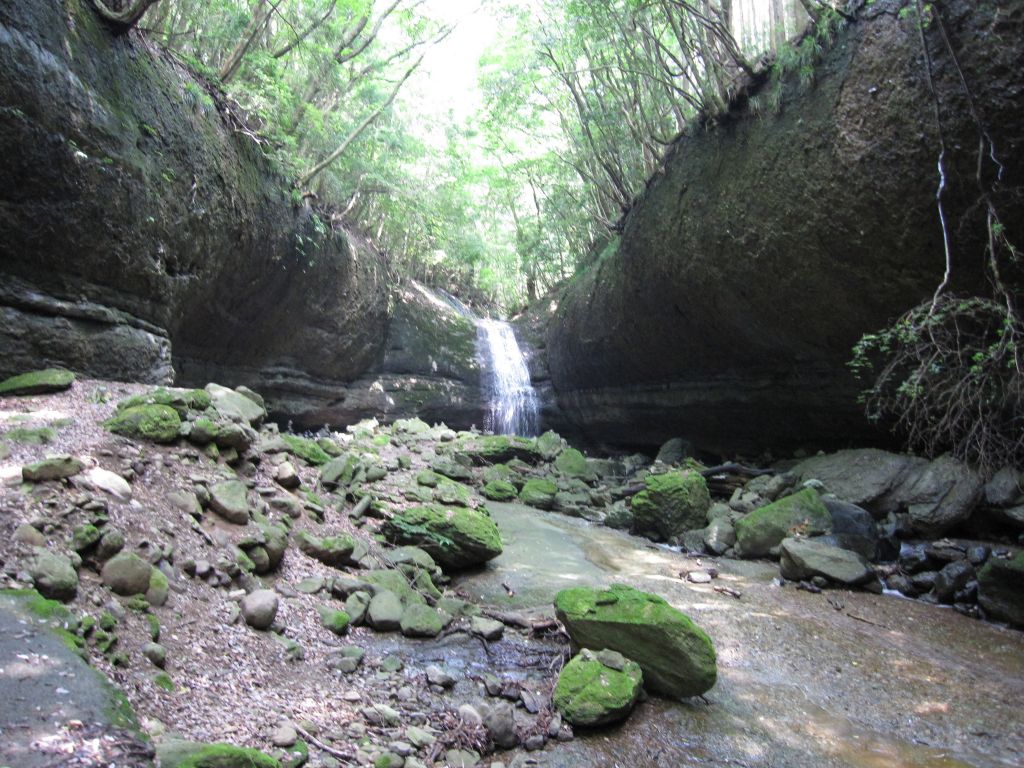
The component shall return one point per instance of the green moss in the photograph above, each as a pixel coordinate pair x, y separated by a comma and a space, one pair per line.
37, 382
538, 492
298, 755
395, 581
428, 478
498, 449
84, 536
456, 537
572, 463
452, 493
181, 400
107, 621
219, 755
139, 602
670, 504
164, 682
159, 423
154, 627
500, 490
307, 450
801, 514
589, 694
41, 436
334, 620
381, 440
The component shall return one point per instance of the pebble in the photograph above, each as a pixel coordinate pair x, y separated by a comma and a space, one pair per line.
284, 736
438, 676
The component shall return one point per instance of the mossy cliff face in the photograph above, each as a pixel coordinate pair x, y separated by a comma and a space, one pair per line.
135, 221
771, 243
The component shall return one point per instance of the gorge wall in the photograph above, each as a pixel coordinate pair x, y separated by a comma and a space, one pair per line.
141, 230
771, 242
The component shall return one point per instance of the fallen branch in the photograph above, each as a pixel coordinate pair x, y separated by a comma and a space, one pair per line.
346, 757
728, 591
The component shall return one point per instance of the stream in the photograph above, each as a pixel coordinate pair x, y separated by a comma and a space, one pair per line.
832, 679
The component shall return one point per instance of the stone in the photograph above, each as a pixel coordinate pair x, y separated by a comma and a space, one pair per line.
42, 382
488, 629
52, 468
110, 544
84, 537
539, 493
235, 406
670, 504
420, 621
259, 608
549, 445
942, 495
105, 481
802, 559
334, 620
287, 477
456, 537
572, 463
1005, 489
676, 656
760, 532
461, 758
230, 500
719, 535
156, 654
158, 423
385, 612
126, 574
953, 578
500, 449
28, 534
181, 400
866, 477
1001, 589
853, 528
284, 736
500, 722
53, 575
159, 589
335, 551
437, 676
183, 754
589, 693
674, 451
356, 606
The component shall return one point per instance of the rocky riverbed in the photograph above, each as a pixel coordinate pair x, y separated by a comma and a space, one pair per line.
284, 609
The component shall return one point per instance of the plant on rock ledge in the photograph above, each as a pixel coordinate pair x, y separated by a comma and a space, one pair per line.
949, 373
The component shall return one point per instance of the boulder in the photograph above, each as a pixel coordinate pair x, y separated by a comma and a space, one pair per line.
572, 463
498, 449
867, 477
953, 578
591, 692
538, 492
126, 574
111, 483
1001, 589
942, 495
173, 753
52, 468
550, 444
334, 620
1005, 489
385, 611
674, 451
37, 382
53, 575
499, 490
235, 406
419, 620
456, 537
344, 471
230, 500
676, 656
670, 504
335, 551
181, 400
259, 608
760, 532
158, 423
853, 528
719, 535
803, 559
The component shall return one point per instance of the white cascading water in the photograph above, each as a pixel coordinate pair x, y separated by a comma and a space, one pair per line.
511, 400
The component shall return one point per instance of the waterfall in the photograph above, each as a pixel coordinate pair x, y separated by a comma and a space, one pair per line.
511, 401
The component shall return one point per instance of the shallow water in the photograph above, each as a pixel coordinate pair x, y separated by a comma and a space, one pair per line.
864, 680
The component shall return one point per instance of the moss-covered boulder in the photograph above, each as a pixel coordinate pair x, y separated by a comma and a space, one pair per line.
550, 444
1001, 589
343, 471
420, 620
499, 490
51, 468
597, 688
408, 591
37, 382
335, 551
53, 575
334, 620
451, 493
538, 492
307, 450
236, 406
670, 504
127, 574
760, 533
497, 449
456, 537
181, 400
572, 463
676, 656
230, 500
185, 754
159, 423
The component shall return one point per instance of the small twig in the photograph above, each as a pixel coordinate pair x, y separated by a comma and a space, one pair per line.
855, 617
728, 591
307, 736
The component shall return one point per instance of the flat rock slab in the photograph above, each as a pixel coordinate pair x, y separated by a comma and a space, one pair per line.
45, 686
